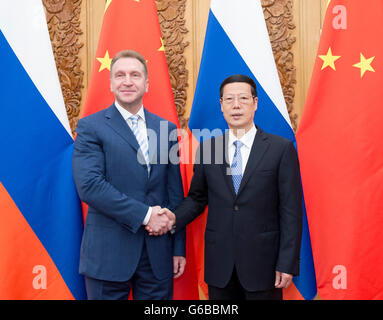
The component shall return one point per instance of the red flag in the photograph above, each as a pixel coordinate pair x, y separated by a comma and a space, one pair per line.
196, 228
134, 24
340, 150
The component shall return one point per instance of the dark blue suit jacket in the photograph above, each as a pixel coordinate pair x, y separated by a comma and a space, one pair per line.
118, 191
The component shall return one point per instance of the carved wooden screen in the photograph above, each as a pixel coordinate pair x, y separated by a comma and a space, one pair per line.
64, 16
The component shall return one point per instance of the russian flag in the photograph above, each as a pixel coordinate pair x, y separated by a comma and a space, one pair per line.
40, 213
237, 42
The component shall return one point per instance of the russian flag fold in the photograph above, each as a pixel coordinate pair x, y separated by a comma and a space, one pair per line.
40, 212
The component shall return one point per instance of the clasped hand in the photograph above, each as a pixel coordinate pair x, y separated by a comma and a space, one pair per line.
161, 221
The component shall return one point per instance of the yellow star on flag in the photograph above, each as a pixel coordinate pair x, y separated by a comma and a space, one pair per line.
329, 59
108, 2
162, 48
105, 62
364, 65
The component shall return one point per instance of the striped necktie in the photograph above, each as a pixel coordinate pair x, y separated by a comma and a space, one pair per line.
236, 166
142, 142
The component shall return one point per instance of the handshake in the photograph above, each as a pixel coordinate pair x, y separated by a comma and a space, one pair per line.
161, 221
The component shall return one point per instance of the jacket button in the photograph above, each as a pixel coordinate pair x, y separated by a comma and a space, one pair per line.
236, 208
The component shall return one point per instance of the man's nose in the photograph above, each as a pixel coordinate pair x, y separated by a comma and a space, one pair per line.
127, 80
236, 103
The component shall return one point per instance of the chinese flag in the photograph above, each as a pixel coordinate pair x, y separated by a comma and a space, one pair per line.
134, 24
340, 150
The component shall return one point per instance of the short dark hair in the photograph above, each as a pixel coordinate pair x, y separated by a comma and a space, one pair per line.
129, 54
239, 78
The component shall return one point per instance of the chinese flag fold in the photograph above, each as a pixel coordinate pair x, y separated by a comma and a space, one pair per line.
340, 150
133, 24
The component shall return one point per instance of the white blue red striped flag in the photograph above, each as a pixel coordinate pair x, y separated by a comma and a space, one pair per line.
40, 212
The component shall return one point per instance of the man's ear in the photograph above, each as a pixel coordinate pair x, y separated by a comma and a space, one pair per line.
255, 103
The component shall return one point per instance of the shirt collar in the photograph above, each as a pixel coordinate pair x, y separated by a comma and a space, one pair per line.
247, 139
126, 114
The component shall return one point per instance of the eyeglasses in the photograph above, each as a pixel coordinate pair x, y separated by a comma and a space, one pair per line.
242, 99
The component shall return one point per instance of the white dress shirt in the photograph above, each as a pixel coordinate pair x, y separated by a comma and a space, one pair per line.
142, 128
247, 140
141, 119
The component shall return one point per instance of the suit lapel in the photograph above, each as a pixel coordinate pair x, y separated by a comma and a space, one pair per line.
154, 146
119, 125
260, 145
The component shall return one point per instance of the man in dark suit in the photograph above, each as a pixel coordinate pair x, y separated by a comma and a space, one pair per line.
117, 174
250, 181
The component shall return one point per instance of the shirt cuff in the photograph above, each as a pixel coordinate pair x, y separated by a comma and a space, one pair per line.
147, 217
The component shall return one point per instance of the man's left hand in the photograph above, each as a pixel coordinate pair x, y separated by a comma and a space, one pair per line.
282, 280
179, 264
